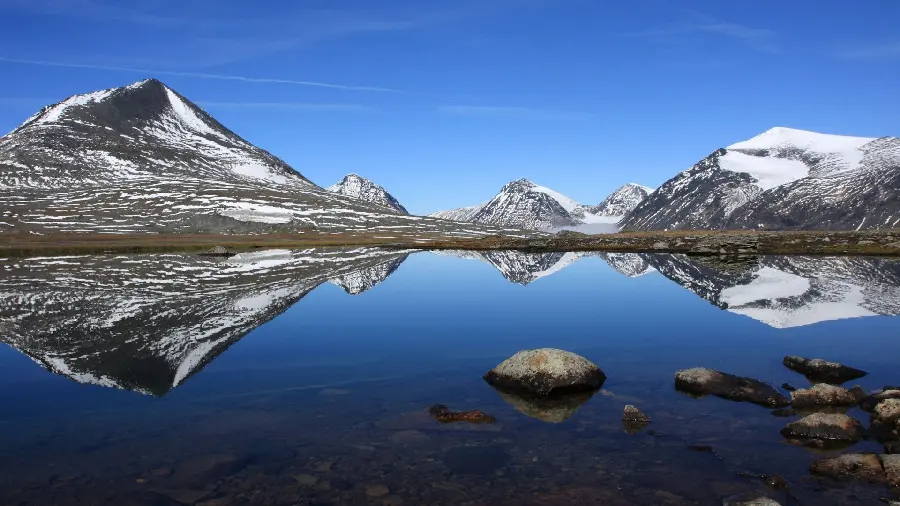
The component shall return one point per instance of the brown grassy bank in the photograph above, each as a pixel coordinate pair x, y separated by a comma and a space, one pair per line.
879, 242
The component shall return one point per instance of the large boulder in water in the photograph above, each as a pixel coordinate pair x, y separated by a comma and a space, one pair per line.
818, 370
546, 372
823, 394
703, 381
826, 427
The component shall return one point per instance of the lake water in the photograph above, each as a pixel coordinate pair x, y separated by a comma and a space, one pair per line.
304, 377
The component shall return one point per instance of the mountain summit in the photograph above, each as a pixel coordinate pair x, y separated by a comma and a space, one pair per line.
364, 189
525, 204
782, 178
144, 159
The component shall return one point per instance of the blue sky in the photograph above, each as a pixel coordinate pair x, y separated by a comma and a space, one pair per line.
444, 102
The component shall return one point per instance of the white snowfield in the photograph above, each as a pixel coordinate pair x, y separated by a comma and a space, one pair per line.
838, 154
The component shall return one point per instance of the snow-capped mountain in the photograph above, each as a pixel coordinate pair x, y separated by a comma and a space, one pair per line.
365, 279
622, 201
363, 189
790, 291
630, 264
525, 204
143, 158
782, 178
148, 322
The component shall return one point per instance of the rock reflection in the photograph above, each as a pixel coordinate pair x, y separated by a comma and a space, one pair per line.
555, 409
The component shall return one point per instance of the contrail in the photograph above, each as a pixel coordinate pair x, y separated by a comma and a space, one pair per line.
199, 75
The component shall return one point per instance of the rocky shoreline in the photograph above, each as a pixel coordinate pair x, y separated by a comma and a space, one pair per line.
699, 243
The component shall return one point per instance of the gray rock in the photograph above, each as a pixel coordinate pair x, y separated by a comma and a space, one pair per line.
850, 467
822, 394
759, 501
546, 372
819, 370
703, 381
217, 251
887, 410
891, 465
825, 427
721, 244
892, 447
633, 414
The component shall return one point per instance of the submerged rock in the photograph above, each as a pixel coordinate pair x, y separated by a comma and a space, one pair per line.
822, 394
703, 381
546, 372
633, 414
788, 387
825, 427
634, 420
819, 370
556, 409
443, 414
850, 467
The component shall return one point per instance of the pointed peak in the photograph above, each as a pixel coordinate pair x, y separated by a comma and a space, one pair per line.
518, 183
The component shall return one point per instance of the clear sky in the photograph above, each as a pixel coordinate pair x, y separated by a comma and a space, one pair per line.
443, 102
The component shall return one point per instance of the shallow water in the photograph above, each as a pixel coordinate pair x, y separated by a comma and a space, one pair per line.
305, 377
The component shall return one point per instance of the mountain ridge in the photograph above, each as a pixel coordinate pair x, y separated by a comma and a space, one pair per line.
781, 179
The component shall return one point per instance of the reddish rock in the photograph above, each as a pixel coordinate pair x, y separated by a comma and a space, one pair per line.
851, 467
825, 427
822, 394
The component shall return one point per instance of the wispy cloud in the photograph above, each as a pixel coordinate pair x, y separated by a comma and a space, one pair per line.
512, 112
290, 106
879, 52
759, 39
201, 75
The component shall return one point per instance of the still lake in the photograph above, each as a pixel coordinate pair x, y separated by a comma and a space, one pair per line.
305, 377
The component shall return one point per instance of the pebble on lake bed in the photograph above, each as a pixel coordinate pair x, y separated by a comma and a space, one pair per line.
443, 414
759, 501
703, 381
546, 372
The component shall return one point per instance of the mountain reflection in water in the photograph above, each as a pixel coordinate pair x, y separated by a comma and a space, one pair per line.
148, 322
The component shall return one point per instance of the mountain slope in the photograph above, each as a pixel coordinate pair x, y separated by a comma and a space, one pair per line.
782, 178
622, 201
363, 189
144, 159
525, 204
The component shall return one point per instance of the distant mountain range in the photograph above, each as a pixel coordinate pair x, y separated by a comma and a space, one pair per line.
363, 189
781, 179
144, 159
524, 204
149, 322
